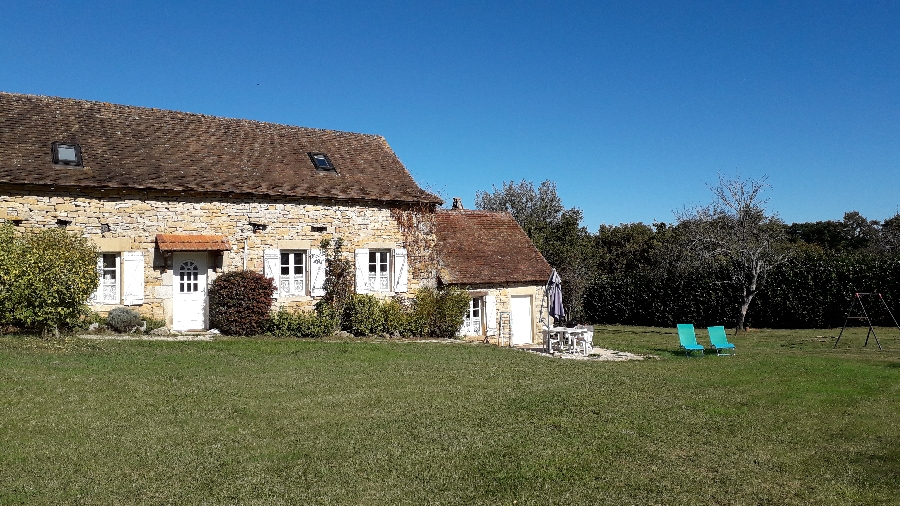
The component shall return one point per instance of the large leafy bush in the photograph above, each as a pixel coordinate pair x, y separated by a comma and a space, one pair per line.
239, 303
46, 278
439, 313
363, 315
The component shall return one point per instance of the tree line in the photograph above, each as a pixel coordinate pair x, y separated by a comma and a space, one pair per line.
730, 263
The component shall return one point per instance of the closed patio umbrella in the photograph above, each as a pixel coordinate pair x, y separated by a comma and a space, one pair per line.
554, 294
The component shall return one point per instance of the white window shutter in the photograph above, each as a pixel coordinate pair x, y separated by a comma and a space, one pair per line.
133, 277
401, 271
272, 267
490, 314
95, 297
317, 272
362, 270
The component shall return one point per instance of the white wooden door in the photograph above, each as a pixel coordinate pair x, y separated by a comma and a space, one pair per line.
189, 291
520, 319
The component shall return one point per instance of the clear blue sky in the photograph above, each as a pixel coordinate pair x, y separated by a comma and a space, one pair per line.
631, 107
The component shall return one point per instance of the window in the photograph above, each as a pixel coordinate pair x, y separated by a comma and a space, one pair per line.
108, 267
379, 277
472, 322
321, 161
188, 277
66, 154
121, 278
295, 272
381, 270
292, 280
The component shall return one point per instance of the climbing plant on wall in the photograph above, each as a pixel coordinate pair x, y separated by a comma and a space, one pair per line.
417, 224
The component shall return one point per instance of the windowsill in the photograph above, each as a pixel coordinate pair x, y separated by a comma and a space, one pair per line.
289, 298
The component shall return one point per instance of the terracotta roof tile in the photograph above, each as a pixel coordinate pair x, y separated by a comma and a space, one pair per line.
478, 247
135, 147
185, 242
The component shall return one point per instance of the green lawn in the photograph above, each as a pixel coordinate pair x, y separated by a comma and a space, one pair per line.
787, 420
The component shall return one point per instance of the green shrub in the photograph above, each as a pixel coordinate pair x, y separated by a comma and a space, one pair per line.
439, 313
363, 315
90, 318
153, 324
123, 319
397, 318
239, 303
46, 278
284, 323
326, 311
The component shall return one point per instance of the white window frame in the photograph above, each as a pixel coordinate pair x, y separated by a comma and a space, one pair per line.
187, 277
379, 280
313, 276
109, 288
120, 278
291, 279
473, 320
394, 280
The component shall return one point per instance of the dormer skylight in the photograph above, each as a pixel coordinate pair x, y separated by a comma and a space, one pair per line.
66, 154
321, 161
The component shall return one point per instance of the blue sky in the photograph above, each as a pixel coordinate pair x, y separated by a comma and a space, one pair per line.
632, 108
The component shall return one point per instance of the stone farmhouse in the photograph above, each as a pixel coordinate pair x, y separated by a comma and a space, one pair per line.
172, 199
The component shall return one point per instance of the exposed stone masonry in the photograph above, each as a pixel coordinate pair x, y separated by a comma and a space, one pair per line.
133, 218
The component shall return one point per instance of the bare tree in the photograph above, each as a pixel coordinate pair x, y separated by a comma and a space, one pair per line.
735, 232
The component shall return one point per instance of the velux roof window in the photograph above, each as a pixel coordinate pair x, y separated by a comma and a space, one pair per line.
321, 161
66, 154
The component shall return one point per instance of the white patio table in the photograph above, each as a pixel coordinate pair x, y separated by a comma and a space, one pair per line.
567, 338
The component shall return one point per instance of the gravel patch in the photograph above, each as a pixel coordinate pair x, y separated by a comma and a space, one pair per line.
147, 337
599, 354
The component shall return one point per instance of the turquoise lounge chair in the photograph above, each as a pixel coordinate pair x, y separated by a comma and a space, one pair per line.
719, 341
689, 339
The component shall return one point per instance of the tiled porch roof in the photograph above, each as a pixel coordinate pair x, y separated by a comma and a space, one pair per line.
186, 242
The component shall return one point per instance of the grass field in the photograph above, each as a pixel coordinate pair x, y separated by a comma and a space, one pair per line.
787, 420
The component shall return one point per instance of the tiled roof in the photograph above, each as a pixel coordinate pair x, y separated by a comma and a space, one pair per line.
478, 247
153, 149
185, 242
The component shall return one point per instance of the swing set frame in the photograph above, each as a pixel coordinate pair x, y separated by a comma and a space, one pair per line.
858, 297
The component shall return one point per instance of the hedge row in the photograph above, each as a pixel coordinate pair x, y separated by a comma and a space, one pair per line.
813, 289
240, 302
433, 313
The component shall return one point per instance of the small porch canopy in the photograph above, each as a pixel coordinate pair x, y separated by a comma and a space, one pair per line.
186, 242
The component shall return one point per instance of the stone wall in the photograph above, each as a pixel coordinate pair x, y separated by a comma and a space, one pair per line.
130, 220
503, 293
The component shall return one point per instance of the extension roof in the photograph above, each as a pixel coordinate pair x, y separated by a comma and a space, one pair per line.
153, 149
479, 247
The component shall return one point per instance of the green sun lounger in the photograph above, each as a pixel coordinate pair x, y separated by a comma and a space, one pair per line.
689, 339
719, 341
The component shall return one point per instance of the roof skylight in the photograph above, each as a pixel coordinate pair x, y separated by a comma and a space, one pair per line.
321, 161
66, 154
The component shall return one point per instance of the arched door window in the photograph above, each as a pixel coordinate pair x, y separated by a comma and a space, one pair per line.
188, 275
